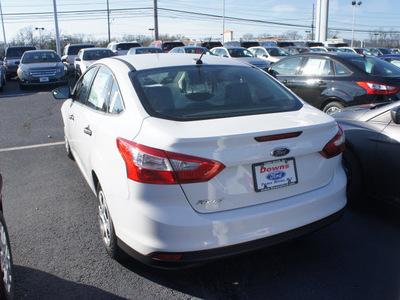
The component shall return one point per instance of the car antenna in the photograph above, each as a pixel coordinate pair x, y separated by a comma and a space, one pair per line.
199, 61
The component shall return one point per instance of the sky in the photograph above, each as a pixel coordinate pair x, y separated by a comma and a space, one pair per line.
184, 17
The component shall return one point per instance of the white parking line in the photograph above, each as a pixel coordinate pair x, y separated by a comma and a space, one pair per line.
31, 146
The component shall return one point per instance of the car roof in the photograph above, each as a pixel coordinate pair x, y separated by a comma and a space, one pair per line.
38, 51
330, 54
159, 60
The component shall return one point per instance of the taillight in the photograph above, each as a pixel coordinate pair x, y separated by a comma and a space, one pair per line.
150, 165
335, 146
67, 59
5, 62
374, 88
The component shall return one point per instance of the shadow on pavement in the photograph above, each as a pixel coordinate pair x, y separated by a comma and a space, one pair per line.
34, 284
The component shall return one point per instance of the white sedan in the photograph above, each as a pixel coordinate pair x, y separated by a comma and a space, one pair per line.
87, 56
193, 160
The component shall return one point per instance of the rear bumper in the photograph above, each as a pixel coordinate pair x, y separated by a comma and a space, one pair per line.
196, 257
156, 220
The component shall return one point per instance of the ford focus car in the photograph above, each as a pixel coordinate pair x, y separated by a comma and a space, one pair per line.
196, 158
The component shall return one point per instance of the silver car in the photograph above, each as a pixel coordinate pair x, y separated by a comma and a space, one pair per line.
40, 67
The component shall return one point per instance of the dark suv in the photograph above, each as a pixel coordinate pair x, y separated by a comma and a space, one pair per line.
12, 58
331, 81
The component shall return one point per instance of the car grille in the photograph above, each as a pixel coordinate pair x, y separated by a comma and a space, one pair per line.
42, 73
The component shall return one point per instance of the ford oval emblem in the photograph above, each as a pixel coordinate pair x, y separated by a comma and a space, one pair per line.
280, 151
276, 175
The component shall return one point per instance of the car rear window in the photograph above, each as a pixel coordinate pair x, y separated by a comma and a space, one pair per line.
97, 54
189, 93
127, 46
375, 66
74, 49
18, 51
171, 45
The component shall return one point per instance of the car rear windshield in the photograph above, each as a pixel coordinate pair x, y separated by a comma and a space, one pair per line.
40, 57
375, 66
127, 46
171, 45
73, 50
97, 54
18, 51
189, 93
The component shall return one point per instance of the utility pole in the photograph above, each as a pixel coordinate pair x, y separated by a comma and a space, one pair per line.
108, 20
223, 22
312, 24
57, 31
155, 21
4, 31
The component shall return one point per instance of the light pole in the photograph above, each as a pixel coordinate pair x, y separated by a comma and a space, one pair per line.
152, 32
376, 37
354, 3
40, 36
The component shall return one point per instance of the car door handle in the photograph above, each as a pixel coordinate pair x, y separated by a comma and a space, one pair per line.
321, 83
286, 81
71, 117
87, 130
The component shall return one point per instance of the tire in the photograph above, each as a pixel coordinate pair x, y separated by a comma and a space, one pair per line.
7, 275
333, 107
107, 231
8, 77
68, 148
354, 176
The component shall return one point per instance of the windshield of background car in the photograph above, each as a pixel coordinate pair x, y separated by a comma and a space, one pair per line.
189, 93
40, 57
97, 54
17, 52
240, 53
375, 66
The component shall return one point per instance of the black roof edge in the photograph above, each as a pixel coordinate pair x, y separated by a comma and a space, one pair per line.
129, 65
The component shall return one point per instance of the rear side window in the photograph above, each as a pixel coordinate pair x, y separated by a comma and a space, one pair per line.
209, 91
317, 66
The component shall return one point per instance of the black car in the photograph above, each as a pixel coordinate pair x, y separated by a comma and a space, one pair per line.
6, 265
331, 81
371, 158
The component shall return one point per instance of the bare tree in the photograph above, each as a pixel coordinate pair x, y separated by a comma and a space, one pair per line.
292, 35
248, 36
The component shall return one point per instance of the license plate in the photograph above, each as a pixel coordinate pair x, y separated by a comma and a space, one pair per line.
274, 174
44, 79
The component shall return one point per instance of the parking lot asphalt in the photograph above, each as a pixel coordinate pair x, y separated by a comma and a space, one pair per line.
58, 252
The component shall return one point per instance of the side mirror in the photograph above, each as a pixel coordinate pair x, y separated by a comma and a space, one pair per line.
395, 114
62, 93
77, 59
63, 60
225, 55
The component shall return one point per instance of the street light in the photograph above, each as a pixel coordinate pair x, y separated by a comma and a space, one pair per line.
376, 36
40, 36
152, 32
354, 3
